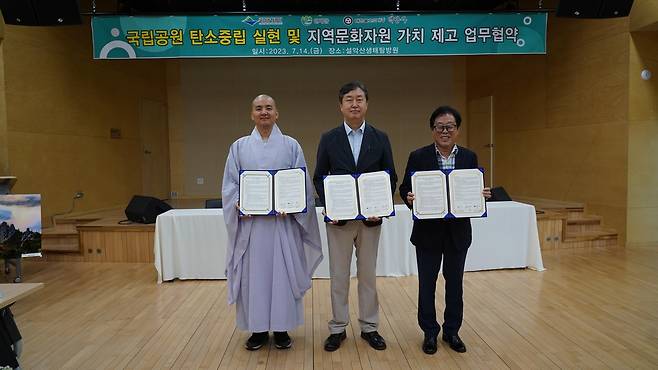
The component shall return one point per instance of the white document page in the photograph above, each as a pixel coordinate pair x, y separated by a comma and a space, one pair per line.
290, 190
375, 196
431, 194
340, 197
466, 199
255, 192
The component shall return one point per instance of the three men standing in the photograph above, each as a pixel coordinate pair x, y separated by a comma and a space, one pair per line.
270, 260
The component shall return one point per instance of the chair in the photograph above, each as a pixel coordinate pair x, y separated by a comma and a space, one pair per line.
213, 203
498, 194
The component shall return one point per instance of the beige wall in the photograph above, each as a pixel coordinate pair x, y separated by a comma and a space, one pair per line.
209, 105
576, 124
562, 119
644, 15
60, 107
4, 155
643, 141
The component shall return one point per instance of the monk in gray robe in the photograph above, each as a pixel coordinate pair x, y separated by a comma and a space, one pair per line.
270, 259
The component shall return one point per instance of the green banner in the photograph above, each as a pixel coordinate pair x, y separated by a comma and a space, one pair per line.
127, 37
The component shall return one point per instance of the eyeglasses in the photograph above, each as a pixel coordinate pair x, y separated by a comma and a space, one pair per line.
449, 128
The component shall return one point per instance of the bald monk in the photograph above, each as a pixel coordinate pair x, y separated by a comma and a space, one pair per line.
270, 259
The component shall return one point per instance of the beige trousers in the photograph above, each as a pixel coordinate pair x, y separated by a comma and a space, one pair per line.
341, 240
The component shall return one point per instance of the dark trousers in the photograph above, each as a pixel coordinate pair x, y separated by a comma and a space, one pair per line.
9, 335
429, 263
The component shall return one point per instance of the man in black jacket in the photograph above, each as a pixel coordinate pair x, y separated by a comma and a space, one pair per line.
353, 147
437, 239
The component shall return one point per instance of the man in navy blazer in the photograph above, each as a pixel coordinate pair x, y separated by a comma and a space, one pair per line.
437, 239
353, 147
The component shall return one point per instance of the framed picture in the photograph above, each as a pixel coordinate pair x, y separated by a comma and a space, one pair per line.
20, 225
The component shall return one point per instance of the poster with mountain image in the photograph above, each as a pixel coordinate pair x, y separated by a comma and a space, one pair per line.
20, 225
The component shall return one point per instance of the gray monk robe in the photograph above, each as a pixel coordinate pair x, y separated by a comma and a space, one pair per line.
270, 259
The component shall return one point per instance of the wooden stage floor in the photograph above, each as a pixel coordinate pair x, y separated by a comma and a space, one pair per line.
591, 308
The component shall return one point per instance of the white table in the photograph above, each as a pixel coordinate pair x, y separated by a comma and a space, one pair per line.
191, 243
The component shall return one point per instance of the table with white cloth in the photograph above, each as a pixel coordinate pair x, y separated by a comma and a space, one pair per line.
191, 243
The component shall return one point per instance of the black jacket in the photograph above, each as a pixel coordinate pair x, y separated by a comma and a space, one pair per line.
335, 158
428, 232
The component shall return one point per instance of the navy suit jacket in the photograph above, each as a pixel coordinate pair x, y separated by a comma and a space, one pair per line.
427, 233
335, 157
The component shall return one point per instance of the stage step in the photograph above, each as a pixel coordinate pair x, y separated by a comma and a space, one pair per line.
584, 235
62, 256
103, 240
63, 238
564, 225
576, 213
78, 220
570, 212
583, 223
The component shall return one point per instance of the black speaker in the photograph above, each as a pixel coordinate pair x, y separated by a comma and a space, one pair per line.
498, 194
615, 8
41, 12
594, 8
145, 210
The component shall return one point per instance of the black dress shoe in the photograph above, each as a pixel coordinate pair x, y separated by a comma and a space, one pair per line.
332, 342
455, 342
282, 340
374, 339
257, 340
429, 344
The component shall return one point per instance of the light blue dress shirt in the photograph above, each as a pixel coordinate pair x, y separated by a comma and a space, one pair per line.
355, 138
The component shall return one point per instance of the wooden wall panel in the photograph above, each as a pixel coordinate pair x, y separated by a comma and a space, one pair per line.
204, 119
61, 105
116, 246
4, 153
562, 119
643, 141
644, 15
